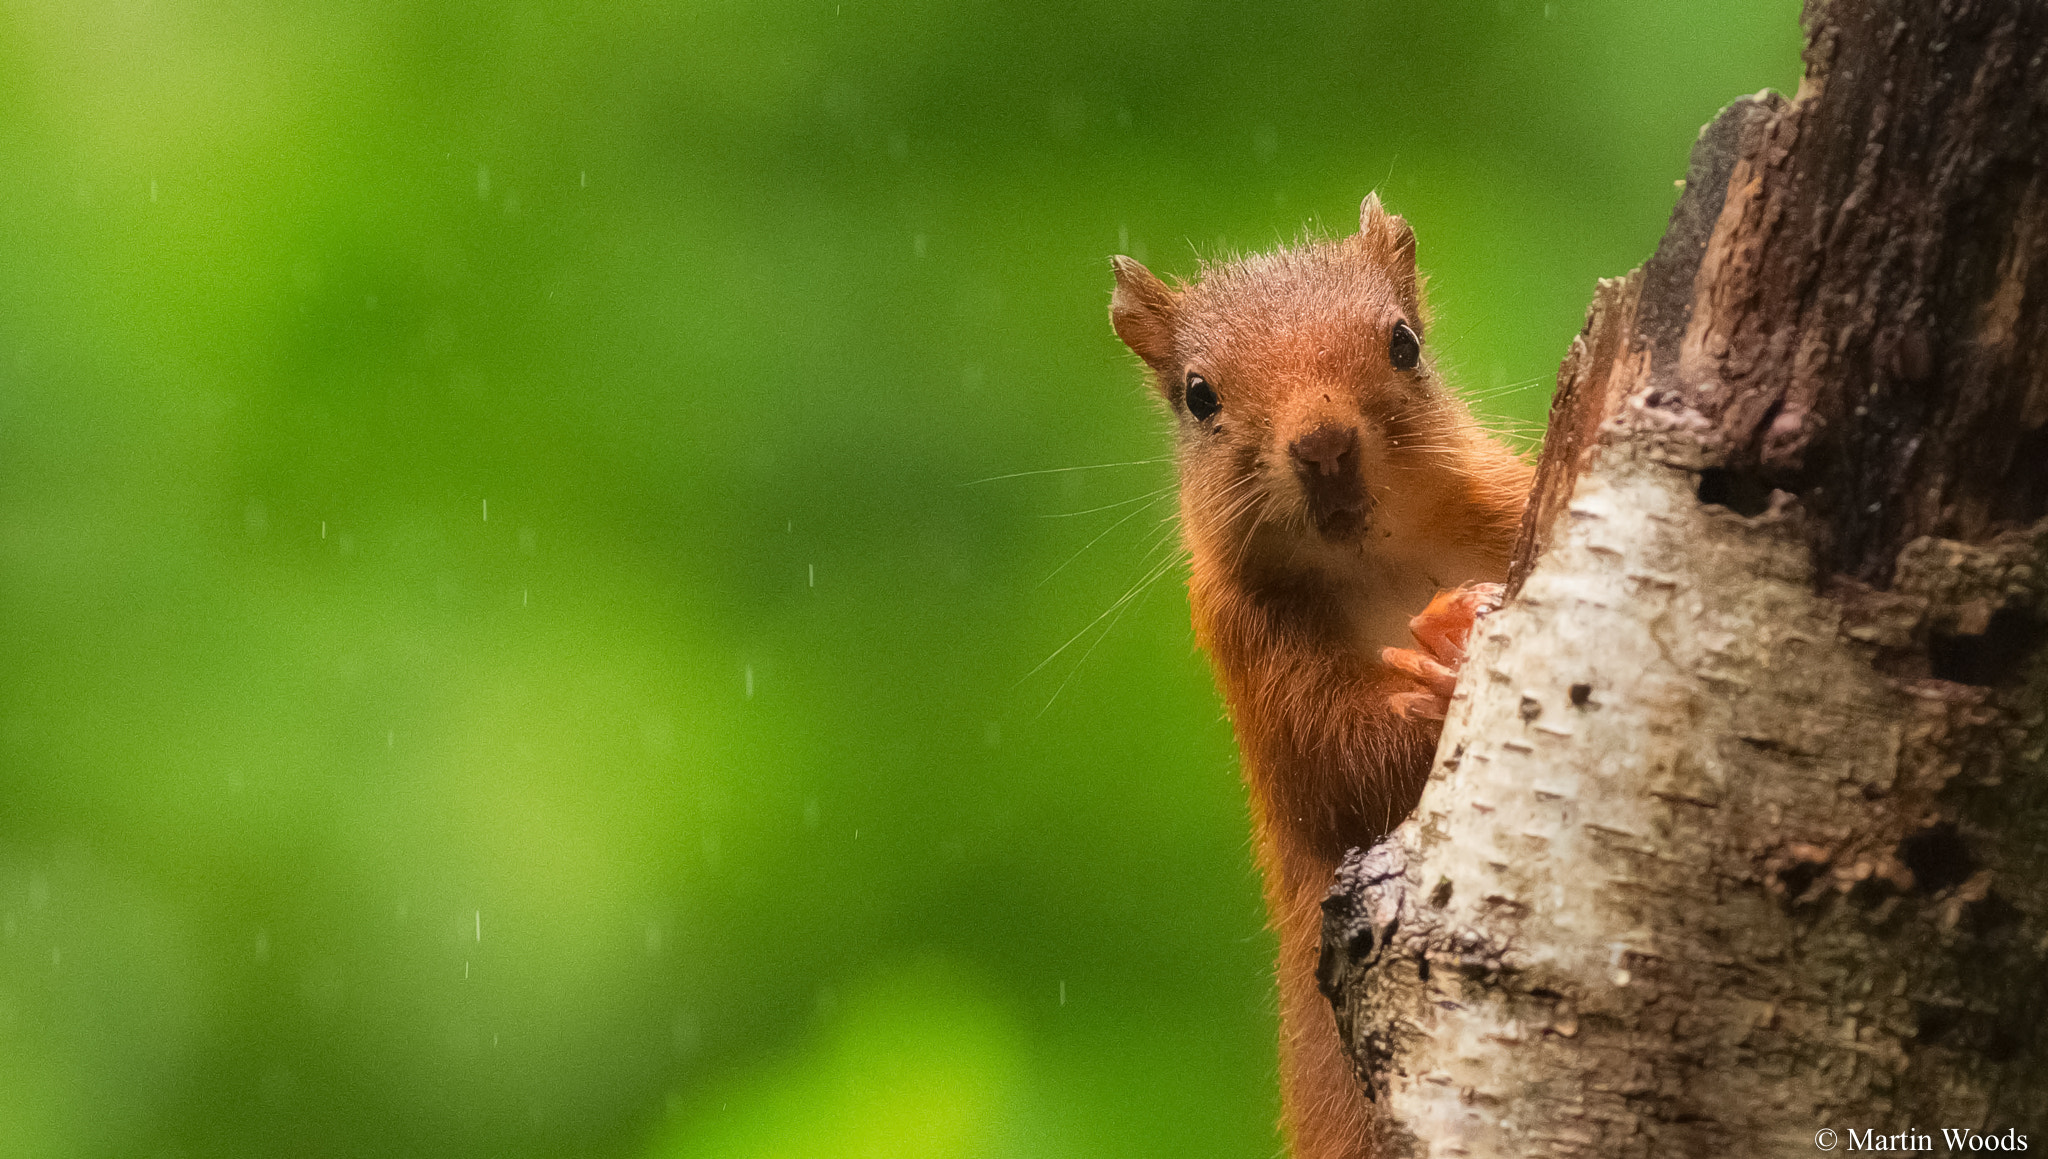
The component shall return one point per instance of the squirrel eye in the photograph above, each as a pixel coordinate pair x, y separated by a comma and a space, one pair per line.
1405, 349
1201, 398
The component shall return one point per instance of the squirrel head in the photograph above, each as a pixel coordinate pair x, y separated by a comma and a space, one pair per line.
1309, 421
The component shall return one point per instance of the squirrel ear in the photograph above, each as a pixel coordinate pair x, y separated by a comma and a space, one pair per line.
1142, 310
1390, 236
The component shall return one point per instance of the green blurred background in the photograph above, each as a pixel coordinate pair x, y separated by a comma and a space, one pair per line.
505, 651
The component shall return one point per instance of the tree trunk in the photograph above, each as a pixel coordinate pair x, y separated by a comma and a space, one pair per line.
1739, 825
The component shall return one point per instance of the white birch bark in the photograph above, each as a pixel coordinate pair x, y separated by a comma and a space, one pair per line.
1739, 827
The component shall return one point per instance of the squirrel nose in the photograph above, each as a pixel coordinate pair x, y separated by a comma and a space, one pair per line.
1323, 451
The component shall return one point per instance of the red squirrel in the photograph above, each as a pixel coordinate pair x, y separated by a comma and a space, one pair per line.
1331, 486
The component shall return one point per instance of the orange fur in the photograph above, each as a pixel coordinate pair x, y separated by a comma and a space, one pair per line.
1306, 566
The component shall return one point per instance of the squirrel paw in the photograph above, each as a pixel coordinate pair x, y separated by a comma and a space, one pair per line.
1442, 630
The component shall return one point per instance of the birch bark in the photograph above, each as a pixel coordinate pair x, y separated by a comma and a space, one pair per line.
1739, 824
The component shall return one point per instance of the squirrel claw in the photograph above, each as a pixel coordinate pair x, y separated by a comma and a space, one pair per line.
1417, 705
1432, 673
1443, 630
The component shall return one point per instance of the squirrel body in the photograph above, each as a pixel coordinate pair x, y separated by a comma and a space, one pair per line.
1330, 487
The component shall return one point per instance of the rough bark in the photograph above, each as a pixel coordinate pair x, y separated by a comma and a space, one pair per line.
1739, 825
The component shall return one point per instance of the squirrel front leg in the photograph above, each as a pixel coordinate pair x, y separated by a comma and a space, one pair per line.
1444, 630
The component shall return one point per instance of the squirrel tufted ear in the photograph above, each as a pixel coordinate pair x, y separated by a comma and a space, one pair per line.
1390, 236
1142, 309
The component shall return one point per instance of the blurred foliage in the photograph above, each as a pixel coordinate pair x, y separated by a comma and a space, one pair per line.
502, 653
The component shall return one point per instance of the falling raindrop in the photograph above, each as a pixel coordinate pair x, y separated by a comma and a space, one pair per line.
1265, 142
686, 1033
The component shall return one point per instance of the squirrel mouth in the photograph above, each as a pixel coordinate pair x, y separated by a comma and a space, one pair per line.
1340, 508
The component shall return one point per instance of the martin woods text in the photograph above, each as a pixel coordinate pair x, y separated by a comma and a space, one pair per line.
1950, 1140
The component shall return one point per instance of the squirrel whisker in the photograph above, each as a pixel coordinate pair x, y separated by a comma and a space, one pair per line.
1064, 470
1110, 506
1099, 538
